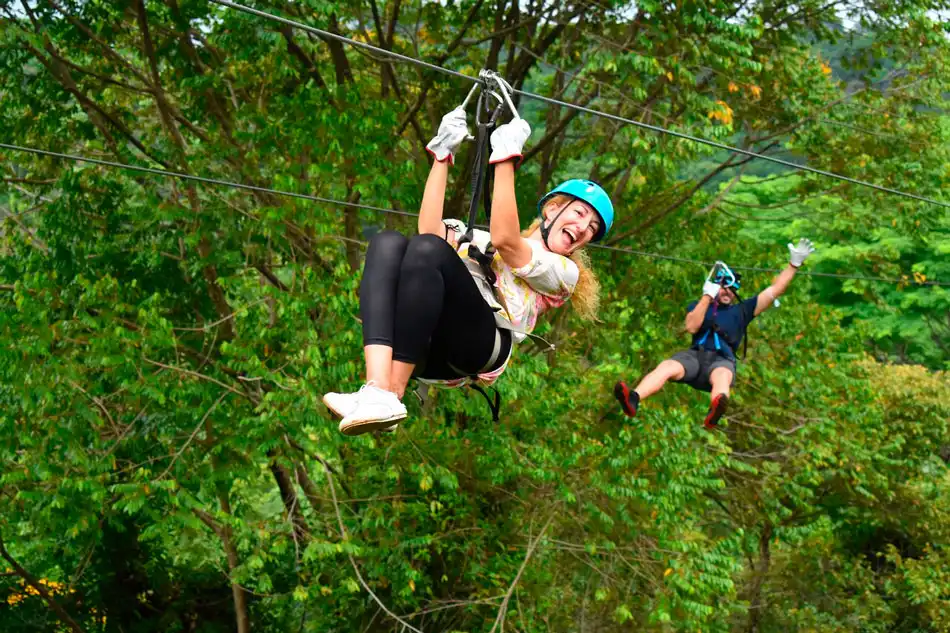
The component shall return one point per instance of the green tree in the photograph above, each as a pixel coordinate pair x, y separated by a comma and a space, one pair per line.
164, 463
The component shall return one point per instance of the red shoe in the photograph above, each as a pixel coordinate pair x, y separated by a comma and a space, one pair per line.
629, 400
716, 410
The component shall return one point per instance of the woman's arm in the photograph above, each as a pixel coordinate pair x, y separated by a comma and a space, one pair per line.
696, 316
453, 130
505, 227
433, 200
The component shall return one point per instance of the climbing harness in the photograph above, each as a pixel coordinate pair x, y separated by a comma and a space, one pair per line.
724, 276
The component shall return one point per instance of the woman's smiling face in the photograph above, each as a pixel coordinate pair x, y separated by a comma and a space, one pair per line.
573, 224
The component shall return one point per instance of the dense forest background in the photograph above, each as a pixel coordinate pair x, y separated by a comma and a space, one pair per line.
166, 464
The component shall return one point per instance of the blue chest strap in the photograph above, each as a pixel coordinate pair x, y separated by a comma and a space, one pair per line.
702, 341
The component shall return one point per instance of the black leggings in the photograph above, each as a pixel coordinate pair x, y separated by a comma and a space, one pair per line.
418, 297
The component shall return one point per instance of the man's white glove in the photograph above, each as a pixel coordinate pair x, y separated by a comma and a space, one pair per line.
452, 131
798, 254
507, 141
711, 289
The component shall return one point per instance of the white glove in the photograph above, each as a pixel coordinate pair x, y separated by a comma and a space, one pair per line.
452, 131
507, 141
798, 254
711, 289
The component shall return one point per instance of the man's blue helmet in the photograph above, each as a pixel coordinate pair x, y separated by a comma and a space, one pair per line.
728, 279
591, 193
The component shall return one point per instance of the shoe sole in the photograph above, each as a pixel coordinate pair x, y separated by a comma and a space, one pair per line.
358, 427
622, 394
716, 412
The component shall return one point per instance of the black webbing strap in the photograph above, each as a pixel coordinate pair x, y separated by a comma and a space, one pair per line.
481, 170
745, 335
493, 404
482, 174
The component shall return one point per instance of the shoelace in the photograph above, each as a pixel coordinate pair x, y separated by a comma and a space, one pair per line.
368, 384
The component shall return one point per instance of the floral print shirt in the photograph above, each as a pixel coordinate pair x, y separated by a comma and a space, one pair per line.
545, 282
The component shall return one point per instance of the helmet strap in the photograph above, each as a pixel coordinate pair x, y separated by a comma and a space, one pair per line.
546, 228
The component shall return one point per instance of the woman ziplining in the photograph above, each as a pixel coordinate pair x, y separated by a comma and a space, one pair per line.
448, 304
718, 323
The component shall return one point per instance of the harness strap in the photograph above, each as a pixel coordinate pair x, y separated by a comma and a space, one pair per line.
493, 404
481, 170
484, 261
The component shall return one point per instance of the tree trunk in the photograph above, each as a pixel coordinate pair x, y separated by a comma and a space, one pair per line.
755, 592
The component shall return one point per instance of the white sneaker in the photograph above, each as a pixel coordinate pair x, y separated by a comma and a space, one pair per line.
376, 409
342, 404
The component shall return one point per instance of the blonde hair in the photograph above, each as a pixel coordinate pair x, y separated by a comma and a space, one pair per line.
586, 296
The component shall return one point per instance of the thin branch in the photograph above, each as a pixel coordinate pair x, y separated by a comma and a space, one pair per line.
500, 620
195, 374
725, 192
193, 434
219, 321
359, 576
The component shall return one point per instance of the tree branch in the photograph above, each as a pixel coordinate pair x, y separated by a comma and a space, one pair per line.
37, 586
503, 609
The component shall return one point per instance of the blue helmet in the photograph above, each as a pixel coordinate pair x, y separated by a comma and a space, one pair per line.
728, 279
591, 193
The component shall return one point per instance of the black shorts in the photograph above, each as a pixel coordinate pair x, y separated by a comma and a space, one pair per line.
699, 364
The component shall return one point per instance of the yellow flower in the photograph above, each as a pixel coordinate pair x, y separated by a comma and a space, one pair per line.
733, 87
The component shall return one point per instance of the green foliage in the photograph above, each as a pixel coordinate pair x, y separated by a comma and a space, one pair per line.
166, 464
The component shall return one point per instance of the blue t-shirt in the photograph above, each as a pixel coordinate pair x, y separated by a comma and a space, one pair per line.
732, 321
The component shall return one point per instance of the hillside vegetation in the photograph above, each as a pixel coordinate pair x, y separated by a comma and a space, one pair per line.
166, 464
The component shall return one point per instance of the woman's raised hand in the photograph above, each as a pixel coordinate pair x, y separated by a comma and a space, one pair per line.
453, 130
507, 141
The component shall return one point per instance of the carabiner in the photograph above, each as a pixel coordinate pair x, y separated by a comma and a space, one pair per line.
484, 106
503, 87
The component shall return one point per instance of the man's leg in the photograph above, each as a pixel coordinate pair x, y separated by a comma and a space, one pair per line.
651, 383
721, 380
654, 381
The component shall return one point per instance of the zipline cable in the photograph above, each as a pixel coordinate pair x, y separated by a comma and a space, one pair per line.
209, 181
345, 40
704, 264
580, 108
367, 207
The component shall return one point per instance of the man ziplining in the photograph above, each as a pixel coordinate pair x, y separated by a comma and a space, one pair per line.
718, 323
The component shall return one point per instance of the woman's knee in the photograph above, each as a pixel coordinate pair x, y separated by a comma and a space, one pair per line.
388, 245
427, 250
